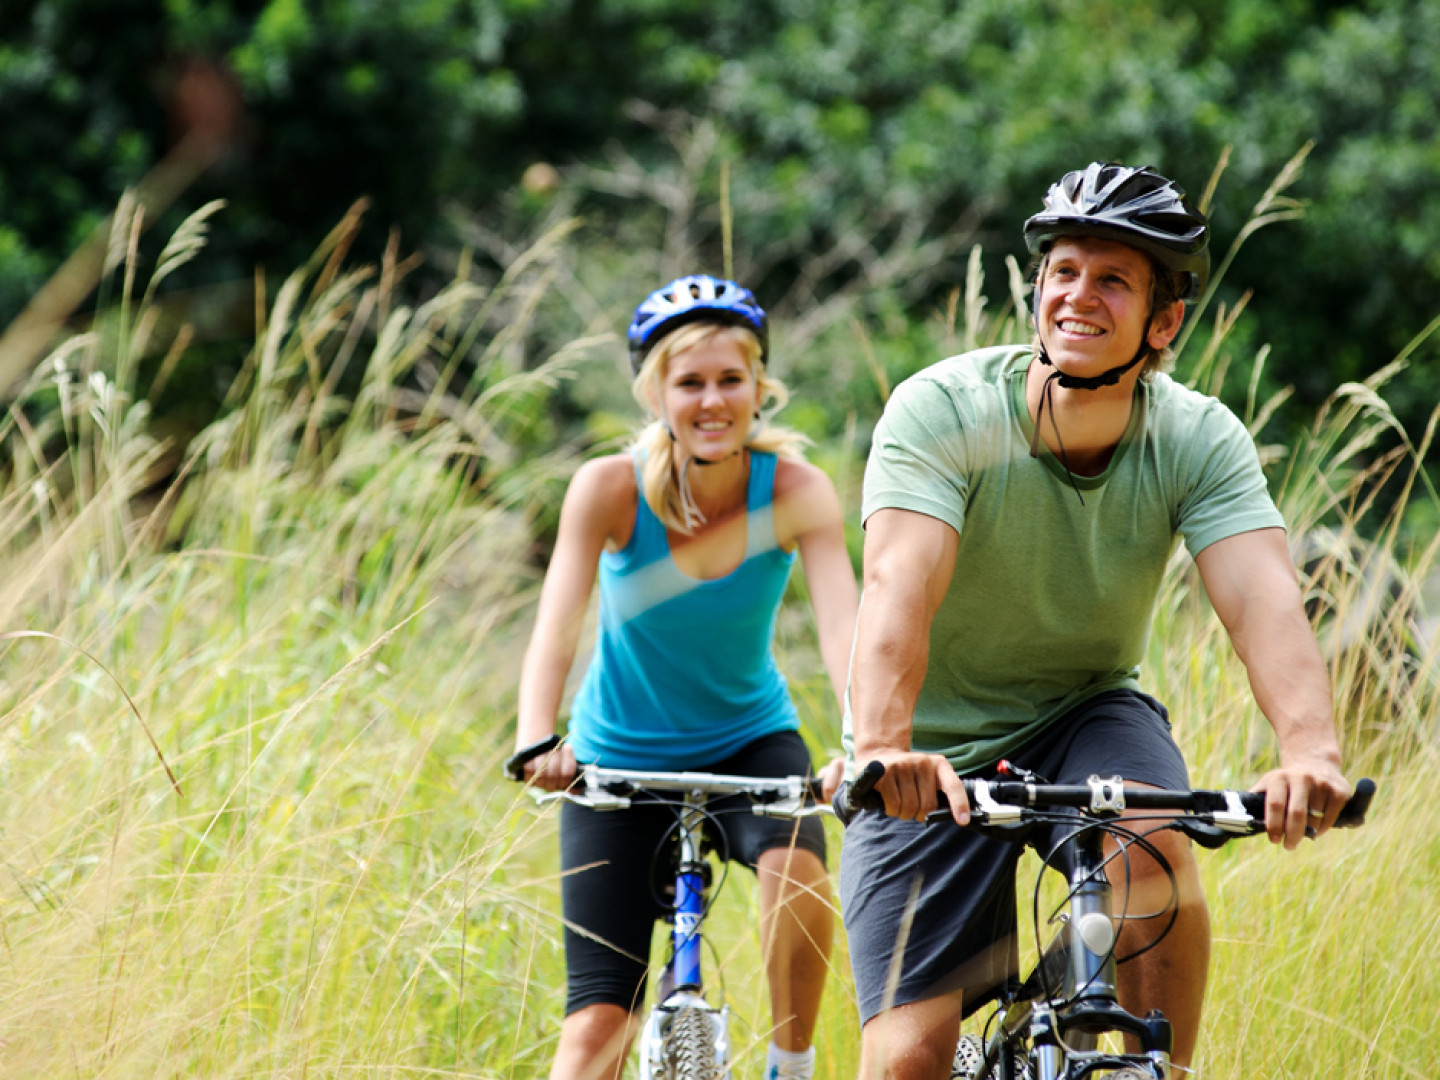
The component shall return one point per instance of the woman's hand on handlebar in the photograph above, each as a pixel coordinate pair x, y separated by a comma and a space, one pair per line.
911, 781
831, 777
553, 771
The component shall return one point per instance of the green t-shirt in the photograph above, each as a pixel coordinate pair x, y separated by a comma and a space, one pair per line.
1050, 601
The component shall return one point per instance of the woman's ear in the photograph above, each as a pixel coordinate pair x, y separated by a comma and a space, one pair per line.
651, 391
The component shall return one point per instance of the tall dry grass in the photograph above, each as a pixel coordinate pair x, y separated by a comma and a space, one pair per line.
316, 625
319, 624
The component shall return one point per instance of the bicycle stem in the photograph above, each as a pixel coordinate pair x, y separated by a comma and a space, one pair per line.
1093, 1007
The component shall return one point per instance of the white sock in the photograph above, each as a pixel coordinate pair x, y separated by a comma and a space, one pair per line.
789, 1064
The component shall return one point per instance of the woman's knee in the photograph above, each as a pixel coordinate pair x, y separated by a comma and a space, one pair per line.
596, 1027
793, 871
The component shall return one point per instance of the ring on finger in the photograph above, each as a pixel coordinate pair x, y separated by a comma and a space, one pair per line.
1316, 813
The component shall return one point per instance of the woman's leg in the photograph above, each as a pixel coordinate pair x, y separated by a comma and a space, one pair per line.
610, 910
594, 1042
797, 927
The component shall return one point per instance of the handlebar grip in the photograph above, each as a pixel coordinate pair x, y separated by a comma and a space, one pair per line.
852, 796
1353, 816
514, 766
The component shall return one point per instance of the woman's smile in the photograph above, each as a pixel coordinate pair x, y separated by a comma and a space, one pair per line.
710, 398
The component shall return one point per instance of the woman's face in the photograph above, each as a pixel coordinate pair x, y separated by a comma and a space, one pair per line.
710, 398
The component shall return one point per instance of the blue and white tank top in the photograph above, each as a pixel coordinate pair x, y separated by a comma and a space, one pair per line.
683, 674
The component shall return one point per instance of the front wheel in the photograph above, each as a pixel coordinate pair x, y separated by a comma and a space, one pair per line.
693, 1047
969, 1056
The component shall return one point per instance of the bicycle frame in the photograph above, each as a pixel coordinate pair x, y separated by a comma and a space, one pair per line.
685, 986
1064, 1029
684, 1034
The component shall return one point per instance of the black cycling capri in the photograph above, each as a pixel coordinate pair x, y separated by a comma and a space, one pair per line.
610, 895
962, 935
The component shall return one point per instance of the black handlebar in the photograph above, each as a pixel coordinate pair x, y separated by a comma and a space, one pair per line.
859, 794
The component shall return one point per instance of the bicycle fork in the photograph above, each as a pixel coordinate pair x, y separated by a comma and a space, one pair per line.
682, 1023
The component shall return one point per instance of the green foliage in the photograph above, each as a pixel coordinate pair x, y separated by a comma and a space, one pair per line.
870, 145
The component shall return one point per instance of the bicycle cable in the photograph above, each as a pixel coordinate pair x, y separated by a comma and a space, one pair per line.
679, 808
1125, 838
719, 843
1172, 904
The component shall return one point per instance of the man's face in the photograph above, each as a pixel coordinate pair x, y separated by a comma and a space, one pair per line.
1094, 302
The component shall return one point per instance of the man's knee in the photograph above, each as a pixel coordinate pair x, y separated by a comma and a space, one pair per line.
1145, 884
911, 1042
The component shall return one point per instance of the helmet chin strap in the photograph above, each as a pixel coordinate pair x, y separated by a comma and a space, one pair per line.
694, 518
715, 461
1092, 382
1075, 382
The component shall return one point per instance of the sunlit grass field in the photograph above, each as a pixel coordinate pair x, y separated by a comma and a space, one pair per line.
250, 724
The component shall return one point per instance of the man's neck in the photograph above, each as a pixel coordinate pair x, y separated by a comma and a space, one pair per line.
1091, 422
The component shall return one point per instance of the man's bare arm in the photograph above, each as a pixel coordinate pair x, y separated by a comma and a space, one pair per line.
909, 559
1252, 585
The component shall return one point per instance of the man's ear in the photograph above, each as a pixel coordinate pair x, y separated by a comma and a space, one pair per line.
1166, 325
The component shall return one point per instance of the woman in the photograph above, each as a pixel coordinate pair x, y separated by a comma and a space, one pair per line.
693, 533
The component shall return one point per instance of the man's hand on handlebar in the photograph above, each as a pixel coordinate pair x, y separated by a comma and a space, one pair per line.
1302, 798
911, 780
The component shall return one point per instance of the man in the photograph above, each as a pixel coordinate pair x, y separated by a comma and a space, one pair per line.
1020, 507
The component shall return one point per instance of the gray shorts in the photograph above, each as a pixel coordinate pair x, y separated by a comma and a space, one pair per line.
961, 886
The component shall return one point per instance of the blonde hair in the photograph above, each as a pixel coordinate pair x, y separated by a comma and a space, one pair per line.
663, 483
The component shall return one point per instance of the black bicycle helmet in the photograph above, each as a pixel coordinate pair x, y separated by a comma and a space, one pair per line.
689, 299
1134, 206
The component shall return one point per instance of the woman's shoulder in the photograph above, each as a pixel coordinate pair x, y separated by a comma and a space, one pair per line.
605, 488
804, 499
611, 473
796, 474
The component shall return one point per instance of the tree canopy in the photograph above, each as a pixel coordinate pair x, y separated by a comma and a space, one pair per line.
867, 142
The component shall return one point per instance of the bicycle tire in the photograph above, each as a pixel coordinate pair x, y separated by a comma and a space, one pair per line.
690, 1047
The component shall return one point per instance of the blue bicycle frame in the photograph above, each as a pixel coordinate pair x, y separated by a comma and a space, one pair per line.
689, 911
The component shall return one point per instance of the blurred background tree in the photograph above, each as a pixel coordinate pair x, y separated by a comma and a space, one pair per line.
867, 146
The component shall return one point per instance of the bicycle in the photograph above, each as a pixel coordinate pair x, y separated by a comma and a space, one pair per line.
1048, 1026
685, 1036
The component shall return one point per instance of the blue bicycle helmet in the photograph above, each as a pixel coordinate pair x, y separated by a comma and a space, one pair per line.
689, 299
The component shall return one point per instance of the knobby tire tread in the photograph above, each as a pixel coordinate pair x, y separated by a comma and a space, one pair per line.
690, 1047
